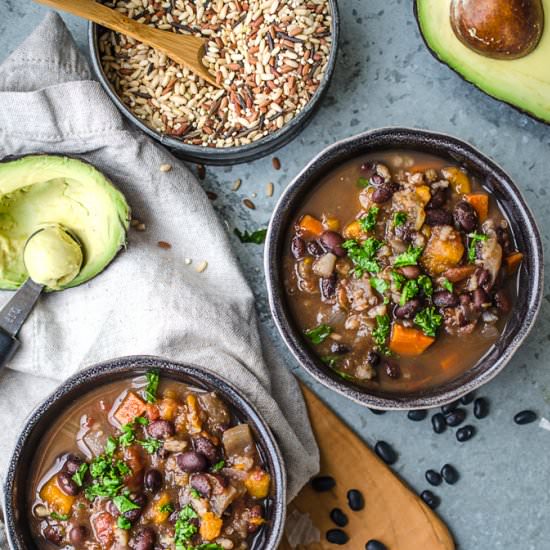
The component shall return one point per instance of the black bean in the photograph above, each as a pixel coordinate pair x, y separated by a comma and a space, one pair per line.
328, 286
191, 462
382, 193
77, 535
323, 483
152, 480
450, 407
72, 464
410, 271
468, 398
449, 474
385, 451
438, 423
430, 499
337, 536
53, 534
67, 485
315, 249
433, 478
444, 298
483, 277
455, 418
377, 179
481, 408
145, 539
339, 517
391, 369
465, 299
355, 500
438, 216
417, 415
409, 310
339, 349
332, 242
504, 239
439, 198
479, 298
133, 515
502, 301
161, 429
368, 169
200, 483
298, 247
525, 417
256, 513
205, 447
465, 216
375, 545
465, 433
373, 358
377, 411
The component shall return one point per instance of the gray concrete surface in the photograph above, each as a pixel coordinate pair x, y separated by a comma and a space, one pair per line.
385, 76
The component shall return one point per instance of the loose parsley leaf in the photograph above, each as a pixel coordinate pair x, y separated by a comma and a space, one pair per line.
123, 523
398, 279
368, 222
128, 435
447, 285
151, 445
218, 466
319, 334
399, 218
107, 475
59, 517
78, 476
329, 360
410, 257
142, 420
167, 508
363, 182
111, 446
256, 237
380, 285
382, 331
410, 290
426, 284
153, 380
429, 321
184, 529
124, 504
194, 493
363, 255
475, 238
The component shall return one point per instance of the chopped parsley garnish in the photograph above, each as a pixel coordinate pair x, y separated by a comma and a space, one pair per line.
329, 360
475, 238
128, 435
398, 279
319, 334
447, 285
256, 237
124, 504
107, 474
368, 222
111, 446
185, 530
382, 331
363, 182
79, 475
59, 517
380, 285
425, 283
153, 380
151, 445
123, 523
141, 420
429, 321
410, 290
363, 255
218, 466
166, 508
410, 257
194, 493
399, 219
344, 375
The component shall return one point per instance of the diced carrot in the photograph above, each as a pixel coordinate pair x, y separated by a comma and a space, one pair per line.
512, 262
257, 483
310, 226
353, 230
131, 407
193, 414
458, 179
443, 251
152, 412
56, 500
480, 202
331, 224
104, 526
159, 511
211, 526
409, 341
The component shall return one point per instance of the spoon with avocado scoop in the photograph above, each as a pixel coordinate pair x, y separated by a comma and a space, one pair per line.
53, 258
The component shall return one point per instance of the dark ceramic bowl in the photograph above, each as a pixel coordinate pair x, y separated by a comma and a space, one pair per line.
228, 155
15, 486
511, 202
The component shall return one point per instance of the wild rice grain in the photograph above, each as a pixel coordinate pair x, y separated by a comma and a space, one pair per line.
201, 267
276, 163
165, 167
164, 245
236, 185
269, 189
249, 204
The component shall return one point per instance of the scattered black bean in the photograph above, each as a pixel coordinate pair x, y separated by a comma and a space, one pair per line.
133, 515
339, 517
191, 462
382, 193
368, 169
200, 483
465, 433
298, 247
355, 500
444, 298
207, 448
481, 408
392, 369
525, 417
315, 249
337, 536
377, 411
323, 483
502, 301
373, 358
449, 474
438, 216
433, 478
455, 418
468, 398
72, 463
410, 271
479, 297
332, 242
339, 349
145, 539
439, 198
161, 429
67, 485
152, 480
77, 535
408, 310
430, 499
328, 286
438, 423
375, 545
450, 407
483, 277
465, 216
53, 534
385, 451
417, 415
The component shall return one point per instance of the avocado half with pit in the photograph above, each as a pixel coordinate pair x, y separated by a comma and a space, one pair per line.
41, 190
522, 81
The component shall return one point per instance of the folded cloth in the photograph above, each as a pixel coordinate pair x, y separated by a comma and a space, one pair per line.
148, 301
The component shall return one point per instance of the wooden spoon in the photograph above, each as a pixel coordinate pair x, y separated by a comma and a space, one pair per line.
187, 50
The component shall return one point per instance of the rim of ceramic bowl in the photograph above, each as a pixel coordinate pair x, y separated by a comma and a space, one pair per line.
15, 496
511, 202
226, 155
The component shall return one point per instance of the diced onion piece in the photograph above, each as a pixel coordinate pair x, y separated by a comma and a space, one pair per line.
324, 266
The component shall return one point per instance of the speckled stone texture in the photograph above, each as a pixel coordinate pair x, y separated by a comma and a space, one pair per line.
385, 76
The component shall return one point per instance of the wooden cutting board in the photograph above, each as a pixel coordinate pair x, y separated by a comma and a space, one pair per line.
393, 514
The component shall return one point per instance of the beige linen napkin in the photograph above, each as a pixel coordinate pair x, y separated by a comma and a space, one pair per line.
148, 301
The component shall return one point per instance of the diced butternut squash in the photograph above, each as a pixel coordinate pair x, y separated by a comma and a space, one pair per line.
331, 224
458, 179
443, 251
56, 500
480, 202
512, 262
131, 407
409, 341
193, 414
258, 483
353, 230
211, 526
309, 226
423, 191
167, 408
157, 514
103, 525
152, 412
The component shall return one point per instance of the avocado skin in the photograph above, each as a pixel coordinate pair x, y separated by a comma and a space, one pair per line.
545, 119
115, 203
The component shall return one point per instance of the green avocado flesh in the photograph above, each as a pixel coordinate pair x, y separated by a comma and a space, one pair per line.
524, 82
41, 190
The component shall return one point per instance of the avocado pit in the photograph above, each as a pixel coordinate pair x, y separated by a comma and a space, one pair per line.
499, 29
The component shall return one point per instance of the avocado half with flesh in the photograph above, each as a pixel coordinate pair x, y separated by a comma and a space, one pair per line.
523, 82
41, 190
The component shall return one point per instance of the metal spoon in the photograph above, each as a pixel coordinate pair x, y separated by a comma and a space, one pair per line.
17, 310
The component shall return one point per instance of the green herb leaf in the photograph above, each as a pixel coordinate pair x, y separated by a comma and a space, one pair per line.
59, 517
141, 420
368, 222
399, 218
151, 445
425, 283
344, 375
218, 466
184, 529
78, 476
447, 285
363, 182
382, 331
380, 285
123, 523
410, 257
410, 290
107, 475
194, 493
256, 237
429, 321
319, 334
111, 446
363, 255
329, 360
124, 504
475, 238
166, 508
153, 379
128, 435
398, 279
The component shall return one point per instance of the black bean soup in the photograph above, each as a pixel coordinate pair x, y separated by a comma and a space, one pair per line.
400, 271
148, 464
